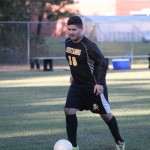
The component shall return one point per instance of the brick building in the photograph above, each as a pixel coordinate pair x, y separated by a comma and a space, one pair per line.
113, 7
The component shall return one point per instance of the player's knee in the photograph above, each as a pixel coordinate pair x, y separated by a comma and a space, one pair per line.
66, 111
70, 111
107, 117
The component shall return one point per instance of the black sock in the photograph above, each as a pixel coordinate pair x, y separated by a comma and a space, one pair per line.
71, 126
113, 126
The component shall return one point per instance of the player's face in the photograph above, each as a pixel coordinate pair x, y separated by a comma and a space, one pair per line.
75, 33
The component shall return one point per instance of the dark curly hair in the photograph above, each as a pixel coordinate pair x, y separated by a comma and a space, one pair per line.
75, 20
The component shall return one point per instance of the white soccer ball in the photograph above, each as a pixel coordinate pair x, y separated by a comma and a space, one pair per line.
63, 145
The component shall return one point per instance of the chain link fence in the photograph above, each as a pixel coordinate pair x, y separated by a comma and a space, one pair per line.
21, 40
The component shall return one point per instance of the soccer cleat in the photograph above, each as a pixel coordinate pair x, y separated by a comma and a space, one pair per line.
120, 146
76, 148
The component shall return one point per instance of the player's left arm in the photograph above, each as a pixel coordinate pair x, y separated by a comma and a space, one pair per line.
100, 63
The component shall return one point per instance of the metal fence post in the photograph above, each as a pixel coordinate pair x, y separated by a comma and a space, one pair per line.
28, 42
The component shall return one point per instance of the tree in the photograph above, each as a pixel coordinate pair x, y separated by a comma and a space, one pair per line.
13, 35
52, 15
23, 10
14, 10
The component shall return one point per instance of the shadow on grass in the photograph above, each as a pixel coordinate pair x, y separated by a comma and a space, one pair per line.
32, 118
15, 75
93, 134
32, 142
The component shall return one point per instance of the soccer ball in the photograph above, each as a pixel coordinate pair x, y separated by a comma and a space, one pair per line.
63, 145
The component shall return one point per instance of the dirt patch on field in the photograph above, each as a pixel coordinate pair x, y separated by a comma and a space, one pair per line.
4, 68
27, 67
14, 67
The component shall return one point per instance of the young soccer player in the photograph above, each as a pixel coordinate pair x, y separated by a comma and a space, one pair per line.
88, 89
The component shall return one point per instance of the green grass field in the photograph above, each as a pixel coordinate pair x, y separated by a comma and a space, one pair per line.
32, 118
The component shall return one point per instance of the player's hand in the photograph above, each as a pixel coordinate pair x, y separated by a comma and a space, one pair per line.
71, 79
98, 89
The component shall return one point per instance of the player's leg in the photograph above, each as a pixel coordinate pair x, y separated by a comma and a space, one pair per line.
73, 104
103, 108
111, 121
113, 126
71, 125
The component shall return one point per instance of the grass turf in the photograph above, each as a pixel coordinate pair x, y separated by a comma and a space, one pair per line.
32, 118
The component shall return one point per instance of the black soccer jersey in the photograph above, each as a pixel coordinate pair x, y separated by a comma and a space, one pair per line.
87, 64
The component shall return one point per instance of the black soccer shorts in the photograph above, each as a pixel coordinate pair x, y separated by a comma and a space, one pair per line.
82, 99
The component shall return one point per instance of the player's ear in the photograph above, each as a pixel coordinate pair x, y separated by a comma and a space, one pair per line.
81, 27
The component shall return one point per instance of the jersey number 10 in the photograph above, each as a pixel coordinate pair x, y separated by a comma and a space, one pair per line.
72, 61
